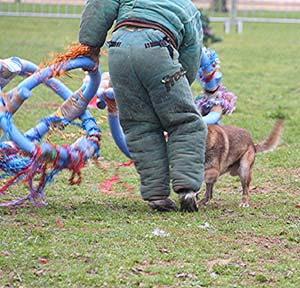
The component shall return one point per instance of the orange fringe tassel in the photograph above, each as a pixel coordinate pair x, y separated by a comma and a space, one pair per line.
74, 51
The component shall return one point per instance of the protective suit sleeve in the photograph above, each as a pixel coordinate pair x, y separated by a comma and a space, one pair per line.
190, 48
97, 18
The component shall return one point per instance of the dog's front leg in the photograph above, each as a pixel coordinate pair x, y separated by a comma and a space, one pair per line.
207, 195
210, 178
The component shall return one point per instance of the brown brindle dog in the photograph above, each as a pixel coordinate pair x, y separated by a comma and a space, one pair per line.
231, 149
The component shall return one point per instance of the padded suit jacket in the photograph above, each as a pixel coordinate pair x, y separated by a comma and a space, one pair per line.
180, 17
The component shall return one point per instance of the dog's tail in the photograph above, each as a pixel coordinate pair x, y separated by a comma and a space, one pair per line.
273, 140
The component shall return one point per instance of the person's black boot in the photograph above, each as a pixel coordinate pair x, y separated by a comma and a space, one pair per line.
188, 201
162, 205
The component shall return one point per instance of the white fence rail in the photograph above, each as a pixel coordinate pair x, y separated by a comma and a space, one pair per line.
231, 12
253, 5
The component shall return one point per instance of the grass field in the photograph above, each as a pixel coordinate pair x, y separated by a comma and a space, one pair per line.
92, 236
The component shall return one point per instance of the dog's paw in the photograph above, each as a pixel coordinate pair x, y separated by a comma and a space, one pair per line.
244, 204
203, 202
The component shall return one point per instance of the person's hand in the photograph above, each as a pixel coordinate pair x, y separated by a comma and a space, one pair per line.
94, 53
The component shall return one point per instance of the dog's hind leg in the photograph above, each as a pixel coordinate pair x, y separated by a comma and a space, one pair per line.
210, 177
245, 173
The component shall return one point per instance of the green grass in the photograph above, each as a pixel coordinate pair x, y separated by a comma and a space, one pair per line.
44, 8
87, 238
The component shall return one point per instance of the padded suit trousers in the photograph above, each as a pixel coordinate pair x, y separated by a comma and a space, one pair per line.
150, 105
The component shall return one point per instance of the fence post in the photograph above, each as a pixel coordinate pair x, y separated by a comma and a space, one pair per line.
232, 16
219, 6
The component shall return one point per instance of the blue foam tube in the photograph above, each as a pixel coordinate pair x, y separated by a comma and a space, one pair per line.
115, 126
92, 88
55, 85
40, 76
117, 133
27, 67
47, 149
212, 118
44, 75
89, 123
37, 132
83, 145
15, 135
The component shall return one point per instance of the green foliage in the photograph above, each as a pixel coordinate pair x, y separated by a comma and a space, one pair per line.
208, 35
279, 113
88, 236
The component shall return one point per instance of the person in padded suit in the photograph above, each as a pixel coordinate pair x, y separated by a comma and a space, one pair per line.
154, 55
